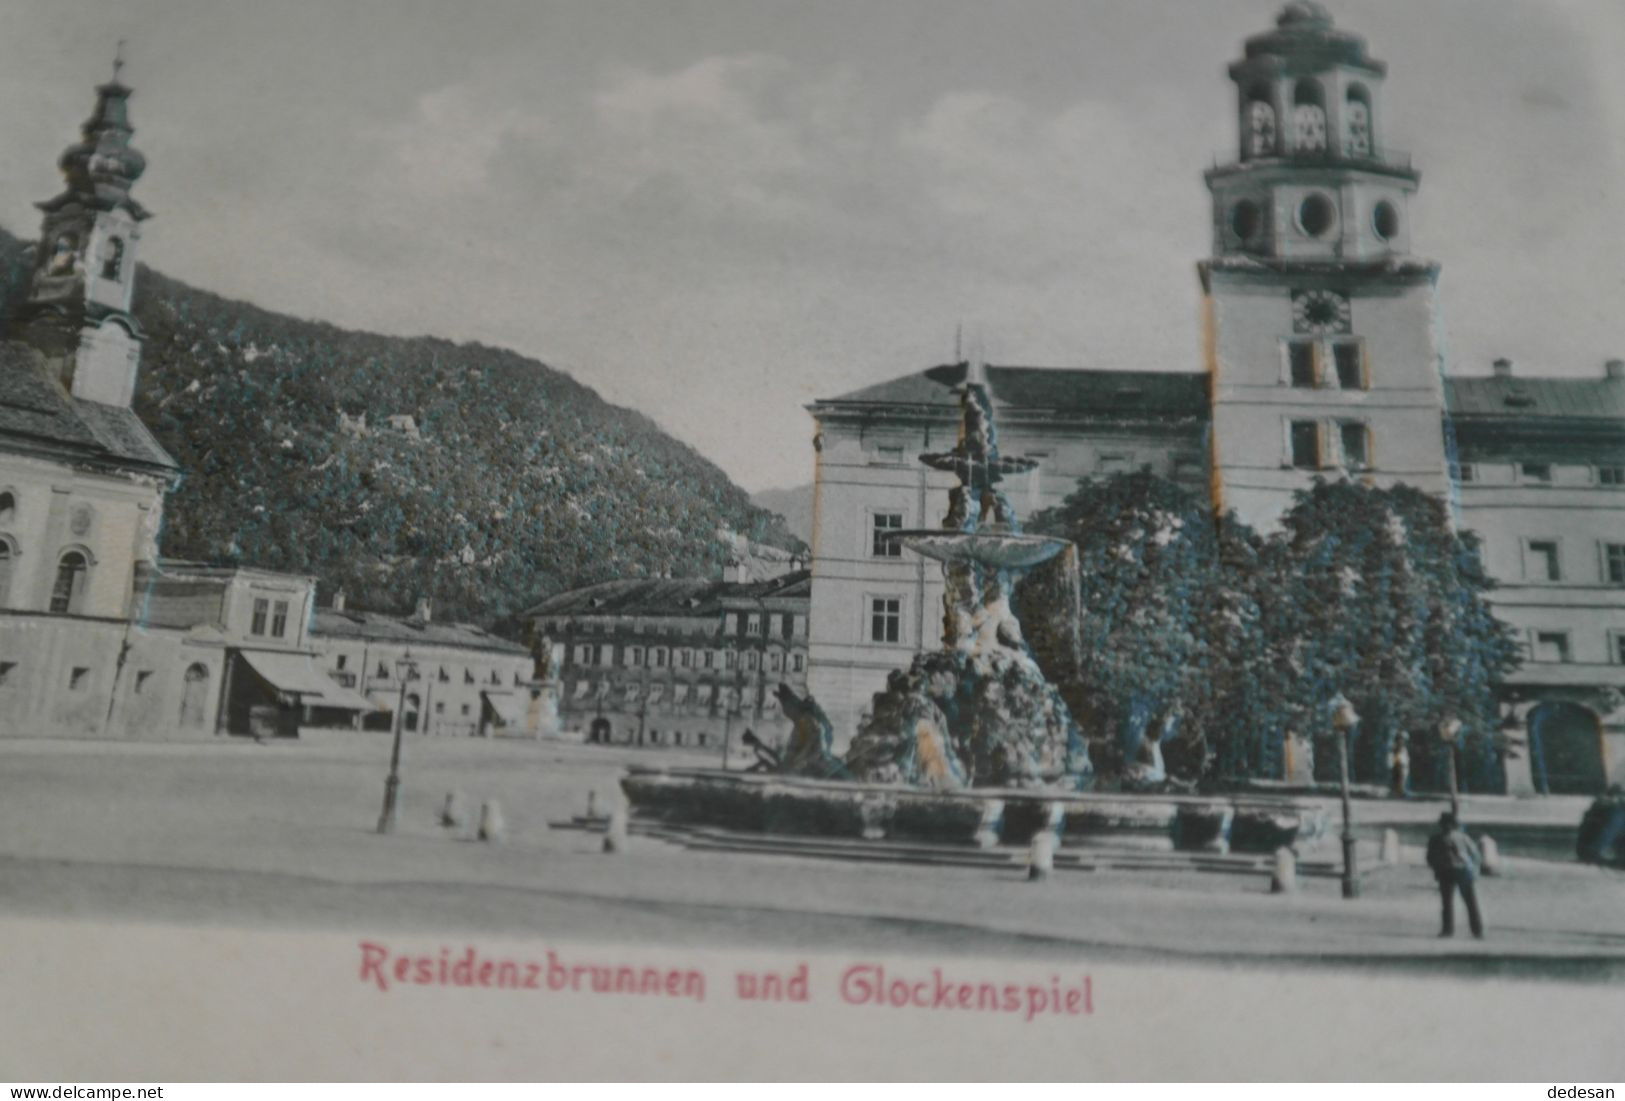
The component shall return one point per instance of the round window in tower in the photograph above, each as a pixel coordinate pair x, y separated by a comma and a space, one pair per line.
1385, 220
1244, 219
1316, 215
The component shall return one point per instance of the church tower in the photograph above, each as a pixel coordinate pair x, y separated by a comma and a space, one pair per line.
1318, 322
78, 309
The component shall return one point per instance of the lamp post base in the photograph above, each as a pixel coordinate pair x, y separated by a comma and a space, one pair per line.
1351, 879
391, 812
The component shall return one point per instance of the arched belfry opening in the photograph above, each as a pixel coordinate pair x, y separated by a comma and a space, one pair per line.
1308, 116
1262, 138
1357, 122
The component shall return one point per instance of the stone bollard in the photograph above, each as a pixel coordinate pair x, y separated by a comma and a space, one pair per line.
1390, 846
491, 826
452, 813
1284, 880
1041, 861
991, 824
1491, 852
615, 836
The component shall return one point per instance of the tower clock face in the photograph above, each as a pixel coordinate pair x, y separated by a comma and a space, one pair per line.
1320, 313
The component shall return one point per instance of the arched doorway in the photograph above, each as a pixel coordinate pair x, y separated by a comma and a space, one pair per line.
194, 696
1565, 745
598, 733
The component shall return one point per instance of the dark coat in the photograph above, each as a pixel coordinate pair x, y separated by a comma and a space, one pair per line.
1452, 855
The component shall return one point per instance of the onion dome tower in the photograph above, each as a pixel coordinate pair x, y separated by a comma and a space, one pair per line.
78, 309
1319, 322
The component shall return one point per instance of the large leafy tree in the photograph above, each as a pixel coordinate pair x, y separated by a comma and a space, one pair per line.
1146, 554
1384, 601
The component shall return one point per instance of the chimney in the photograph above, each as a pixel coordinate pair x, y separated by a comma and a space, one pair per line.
1615, 370
338, 600
422, 614
1503, 368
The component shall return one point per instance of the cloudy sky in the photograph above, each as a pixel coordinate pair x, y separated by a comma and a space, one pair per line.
716, 211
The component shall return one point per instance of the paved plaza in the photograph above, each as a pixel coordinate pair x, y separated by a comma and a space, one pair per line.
281, 835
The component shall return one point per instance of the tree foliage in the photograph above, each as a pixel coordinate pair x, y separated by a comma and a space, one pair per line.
1230, 640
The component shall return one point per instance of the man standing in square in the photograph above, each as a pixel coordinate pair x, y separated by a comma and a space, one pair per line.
1455, 861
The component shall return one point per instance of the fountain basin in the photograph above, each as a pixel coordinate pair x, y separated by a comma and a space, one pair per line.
772, 804
1001, 550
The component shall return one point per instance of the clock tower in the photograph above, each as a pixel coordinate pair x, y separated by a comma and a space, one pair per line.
1318, 323
78, 309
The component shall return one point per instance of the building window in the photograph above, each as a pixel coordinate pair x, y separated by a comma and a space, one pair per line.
1305, 443
1616, 652
1350, 365
113, 259
6, 669
659, 658
1610, 476
750, 661
1467, 472
881, 524
383, 670
710, 658
1300, 355
788, 629
68, 592
1356, 440
728, 657
279, 619
885, 619
684, 657
468, 676
1551, 646
1613, 563
440, 707
262, 608
1541, 562
343, 660
8, 508
465, 709
6, 557
1536, 472
583, 655
752, 626
78, 678
797, 662
634, 656
142, 676
444, 675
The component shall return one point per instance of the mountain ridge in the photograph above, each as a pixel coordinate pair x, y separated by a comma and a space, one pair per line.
404, 467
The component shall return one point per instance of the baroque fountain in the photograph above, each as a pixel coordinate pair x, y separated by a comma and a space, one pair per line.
971, 745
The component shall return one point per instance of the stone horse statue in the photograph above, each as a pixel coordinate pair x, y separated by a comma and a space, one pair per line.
812, 739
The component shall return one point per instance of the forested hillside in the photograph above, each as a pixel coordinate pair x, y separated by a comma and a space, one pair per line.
405, 467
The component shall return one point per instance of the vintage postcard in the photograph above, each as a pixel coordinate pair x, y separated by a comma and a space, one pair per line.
861, 539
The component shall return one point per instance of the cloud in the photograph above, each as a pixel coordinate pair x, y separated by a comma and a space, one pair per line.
447, 146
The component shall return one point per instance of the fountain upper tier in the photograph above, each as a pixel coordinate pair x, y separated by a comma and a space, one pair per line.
1001, 550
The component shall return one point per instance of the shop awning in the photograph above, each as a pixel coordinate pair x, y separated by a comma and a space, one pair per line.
297, 675
505, 706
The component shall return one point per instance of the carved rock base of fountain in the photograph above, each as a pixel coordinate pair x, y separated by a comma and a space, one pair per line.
763, 803
956, 719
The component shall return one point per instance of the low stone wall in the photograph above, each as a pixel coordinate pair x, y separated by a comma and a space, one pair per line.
764, 803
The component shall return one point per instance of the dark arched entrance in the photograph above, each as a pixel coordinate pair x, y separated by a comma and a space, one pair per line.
1566, 739
599, 731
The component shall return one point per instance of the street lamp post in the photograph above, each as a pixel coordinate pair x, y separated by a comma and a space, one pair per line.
1449, 727
1344, 719
405, 667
